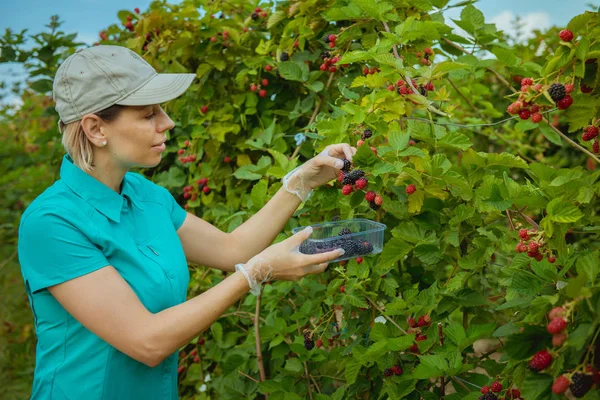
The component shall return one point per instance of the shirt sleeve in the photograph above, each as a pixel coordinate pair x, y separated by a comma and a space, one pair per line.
52, 249
177, 212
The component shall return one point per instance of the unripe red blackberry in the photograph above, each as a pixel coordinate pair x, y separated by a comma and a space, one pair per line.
540, 361
412, 323
536, 118
378, 200
596, 147
524, 114
557, 325
410, 189
346, 190
565, 35
560, 385
370, 196
523, 234
526, 82
565, 103
496, 387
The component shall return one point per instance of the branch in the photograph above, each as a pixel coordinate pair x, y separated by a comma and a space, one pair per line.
385, 316
465, 98
259, 358
512, 227
529, 220
409, 82
248, 376
442, 381
307, 379
501, 79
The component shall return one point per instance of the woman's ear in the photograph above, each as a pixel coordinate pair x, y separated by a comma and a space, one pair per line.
92, 127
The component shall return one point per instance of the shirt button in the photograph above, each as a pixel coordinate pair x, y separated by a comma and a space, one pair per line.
171, 275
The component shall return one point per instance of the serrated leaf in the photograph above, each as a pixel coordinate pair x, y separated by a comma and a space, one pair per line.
259, 194
292, 71
428, 253
275, 18
560, 210
415, 201
550, 134
455, 140
398, 139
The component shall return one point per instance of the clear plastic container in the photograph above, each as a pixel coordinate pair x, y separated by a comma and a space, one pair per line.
365, 238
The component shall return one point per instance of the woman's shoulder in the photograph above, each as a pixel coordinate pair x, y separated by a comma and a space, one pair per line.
58, 197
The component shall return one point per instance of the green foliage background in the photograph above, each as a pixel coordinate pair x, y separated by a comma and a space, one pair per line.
449, 248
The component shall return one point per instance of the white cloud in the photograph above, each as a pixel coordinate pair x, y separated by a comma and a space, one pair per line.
530, 21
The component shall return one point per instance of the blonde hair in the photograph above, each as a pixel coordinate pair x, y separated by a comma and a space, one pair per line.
77, 144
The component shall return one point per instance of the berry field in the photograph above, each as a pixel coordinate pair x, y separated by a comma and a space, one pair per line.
479, 152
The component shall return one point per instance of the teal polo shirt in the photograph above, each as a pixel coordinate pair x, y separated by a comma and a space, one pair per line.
77, 226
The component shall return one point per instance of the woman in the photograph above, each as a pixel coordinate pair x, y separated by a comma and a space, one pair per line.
104, 251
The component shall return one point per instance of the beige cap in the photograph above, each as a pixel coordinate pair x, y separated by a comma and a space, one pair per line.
98, 77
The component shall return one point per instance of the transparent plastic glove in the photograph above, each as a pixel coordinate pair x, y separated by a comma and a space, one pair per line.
283, 261
318, 170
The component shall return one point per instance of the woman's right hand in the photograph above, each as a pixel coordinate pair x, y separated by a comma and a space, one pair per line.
283, 261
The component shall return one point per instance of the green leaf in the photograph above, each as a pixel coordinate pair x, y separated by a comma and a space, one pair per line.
259, 194
393, 250
454, 139
293, 365
472, 17
560, 210
550, 134
589, 266
246, 172
398, 140
506, 56
292, 71
578, 22
428, 253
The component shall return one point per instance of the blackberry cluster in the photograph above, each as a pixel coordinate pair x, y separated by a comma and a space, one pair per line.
367, 134
581, 384
345, 231
309, 344
557, 92
347, 165
352, 247
488, 396
351, 177
284, 56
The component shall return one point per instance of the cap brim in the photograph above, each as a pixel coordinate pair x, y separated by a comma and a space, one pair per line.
161, 88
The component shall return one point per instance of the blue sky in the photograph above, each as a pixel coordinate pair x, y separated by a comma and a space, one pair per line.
89, 17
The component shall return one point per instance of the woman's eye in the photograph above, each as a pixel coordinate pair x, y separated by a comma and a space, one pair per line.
150, 116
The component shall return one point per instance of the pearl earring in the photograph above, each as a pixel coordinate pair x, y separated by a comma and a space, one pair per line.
104, 143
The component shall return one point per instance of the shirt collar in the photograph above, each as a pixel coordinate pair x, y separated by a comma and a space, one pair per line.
101, 197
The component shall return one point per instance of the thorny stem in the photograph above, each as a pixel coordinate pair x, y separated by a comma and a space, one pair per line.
442, 381
512, 227
259, 358
501, 79
385, 316
248, 376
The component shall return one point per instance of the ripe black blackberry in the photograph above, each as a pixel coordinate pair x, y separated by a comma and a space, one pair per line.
351, 177
388, 372
284, 56
308, 247
365, 248
367, 134
345, 231
254, 16
488, 396
325, 55
374, 206
580, 384
309, 344
347, 165
557, 92
326, 38
423, 91
351, 247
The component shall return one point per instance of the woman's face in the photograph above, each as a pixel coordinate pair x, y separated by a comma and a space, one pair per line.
137, 137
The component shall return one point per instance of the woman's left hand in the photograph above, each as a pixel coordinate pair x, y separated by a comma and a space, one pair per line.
326, 165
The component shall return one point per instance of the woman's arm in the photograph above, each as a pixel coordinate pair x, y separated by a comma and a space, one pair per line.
105, 304
204, 244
